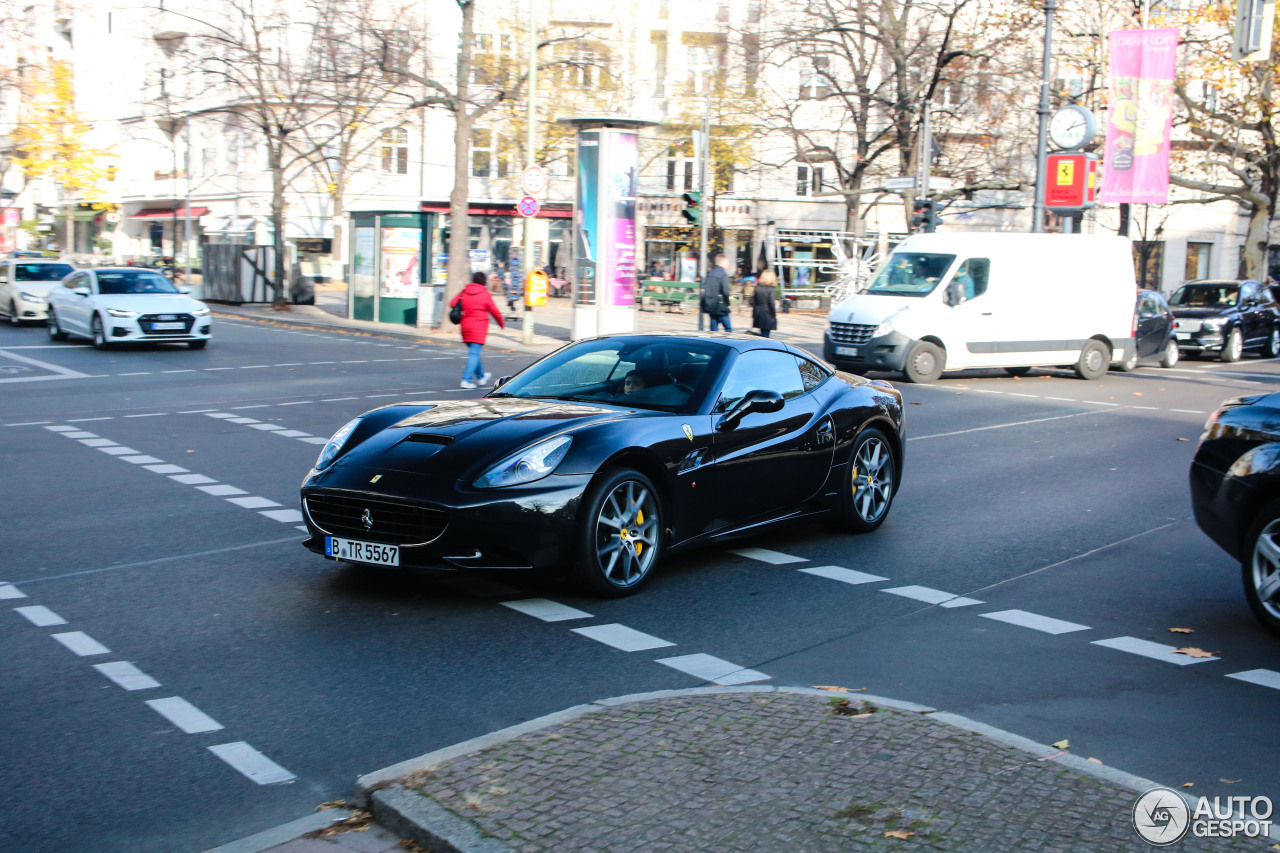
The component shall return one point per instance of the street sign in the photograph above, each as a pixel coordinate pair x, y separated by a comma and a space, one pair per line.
535, 288
899, 183
1071, 182
534, 180
529, 206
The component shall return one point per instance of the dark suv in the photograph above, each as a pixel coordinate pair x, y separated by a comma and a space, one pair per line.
1226, 318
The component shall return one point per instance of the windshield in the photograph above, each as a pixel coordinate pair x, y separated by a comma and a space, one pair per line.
1206, 296
645, 373
41, 272
911, 274
130, 281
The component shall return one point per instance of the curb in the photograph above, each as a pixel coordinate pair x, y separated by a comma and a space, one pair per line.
282, 834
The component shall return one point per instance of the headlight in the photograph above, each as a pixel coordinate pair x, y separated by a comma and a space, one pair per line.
886, 325
334, 445
528, 465
1212, 325
202, 311
30, 297
116, 312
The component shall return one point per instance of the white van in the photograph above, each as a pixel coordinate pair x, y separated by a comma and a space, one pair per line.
961, 300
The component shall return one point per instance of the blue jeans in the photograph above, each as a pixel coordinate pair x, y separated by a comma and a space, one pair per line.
724, 321
474, 370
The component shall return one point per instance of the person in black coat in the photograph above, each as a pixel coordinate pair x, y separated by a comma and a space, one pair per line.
764, 306
715, 294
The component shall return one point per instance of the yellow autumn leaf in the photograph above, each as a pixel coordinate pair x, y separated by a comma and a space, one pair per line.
1193, 652
1180, 631
899, 833
1062, 744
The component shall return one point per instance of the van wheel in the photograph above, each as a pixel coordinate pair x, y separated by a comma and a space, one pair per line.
1130, 363
1095, 358
924, 362
1169, 358
1233, 348
1017, 371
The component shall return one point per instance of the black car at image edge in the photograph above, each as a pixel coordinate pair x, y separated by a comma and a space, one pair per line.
607, 453
1235, 493
1226, 318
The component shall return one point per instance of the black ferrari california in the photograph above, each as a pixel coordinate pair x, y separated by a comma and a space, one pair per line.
606, 454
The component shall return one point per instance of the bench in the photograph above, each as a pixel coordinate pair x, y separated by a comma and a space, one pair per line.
674, 295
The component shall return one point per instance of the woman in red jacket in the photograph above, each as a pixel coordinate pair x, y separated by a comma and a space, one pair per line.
477, 305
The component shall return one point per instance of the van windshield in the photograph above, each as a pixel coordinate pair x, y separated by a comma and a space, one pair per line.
911, 274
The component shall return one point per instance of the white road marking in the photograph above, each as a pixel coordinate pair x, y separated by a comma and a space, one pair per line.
254, 406
178, 371
8, 590
1002, 426
289, 364
1146, 408
191, 412
252, 366
252, 502
324, 362
119, 450
357, 361
30, 423
622, 637
221, 490
238, 420
86, 420
338, 399
81, 643
62, 372
286, 515
294, 433
98, 442
1098, 403
931, 596
1035, 621
80, 434
316, 439
987, 391
191, 479
1189, 411
266, 427
1063, 399
546, 610
836, 573
61, 428
220, 415
297, 403
128, 676
1261, 677
377, 396
713, 669
40, 616
1034, 396
1148, 649
253, 764
764, 555
184, 715
136, 373
211, 369
141, 460
168, 469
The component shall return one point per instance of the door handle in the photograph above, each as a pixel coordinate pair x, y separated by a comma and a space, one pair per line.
986, 313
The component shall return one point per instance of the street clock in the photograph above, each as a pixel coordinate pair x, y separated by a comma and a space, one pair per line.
1072, 127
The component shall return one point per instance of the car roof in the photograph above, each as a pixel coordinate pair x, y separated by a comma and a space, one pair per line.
733, 340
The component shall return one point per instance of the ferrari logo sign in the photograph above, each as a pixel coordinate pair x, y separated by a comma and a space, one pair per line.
688, 432
1066, 173
1071, 184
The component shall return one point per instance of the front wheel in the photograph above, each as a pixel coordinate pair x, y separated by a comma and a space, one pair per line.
924, 362
619, 534
1094, 360
14, 319
869, 485
1261, 567
99, 336
1169, 358
1233, 349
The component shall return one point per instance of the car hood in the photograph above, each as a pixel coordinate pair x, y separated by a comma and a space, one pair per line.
149, 303
448, 439
35, 288
1201, 313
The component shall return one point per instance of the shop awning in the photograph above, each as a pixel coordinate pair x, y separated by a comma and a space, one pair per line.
169, 213
559, 211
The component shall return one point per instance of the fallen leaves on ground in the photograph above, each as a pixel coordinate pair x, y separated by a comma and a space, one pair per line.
899, 833
1188, 784
1063, 744
845, 708
1193, 652
1181, 631
331, 804
1096, 760
1184, 439
1137, 393
357, 821
835, 689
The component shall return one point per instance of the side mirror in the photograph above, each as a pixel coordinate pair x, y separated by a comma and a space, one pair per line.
81, 291
184, 290
752, 401
502, 380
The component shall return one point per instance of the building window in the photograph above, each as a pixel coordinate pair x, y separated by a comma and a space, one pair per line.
802, 180
722, 12
395, 151
688, 174
1198, 255
489, 155
809, 180
658, 38
491, 59
750, 61
583, 66
1148, 261
814, 82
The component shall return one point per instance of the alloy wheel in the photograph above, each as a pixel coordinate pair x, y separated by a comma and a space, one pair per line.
1264, 574
872, 479
627, 533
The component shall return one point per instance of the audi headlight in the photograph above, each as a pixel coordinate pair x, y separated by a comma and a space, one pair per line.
202, 311
334, 445
530, 464
30, 297
116, 312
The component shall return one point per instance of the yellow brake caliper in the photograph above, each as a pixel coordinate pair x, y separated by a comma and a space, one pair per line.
639, 520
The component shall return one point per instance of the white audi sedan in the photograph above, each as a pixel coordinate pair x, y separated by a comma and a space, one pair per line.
114, 305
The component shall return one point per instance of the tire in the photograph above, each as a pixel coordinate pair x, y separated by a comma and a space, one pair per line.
1129, 364
1094, 360
99, 335
1272, 348
619, 538
1017, 371
869, 485
1233, 348
197, 344
925, 362
55, 331
1260, 567
1171, 354
14, 319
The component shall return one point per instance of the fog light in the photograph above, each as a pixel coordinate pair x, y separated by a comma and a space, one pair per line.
117, 332
204, 330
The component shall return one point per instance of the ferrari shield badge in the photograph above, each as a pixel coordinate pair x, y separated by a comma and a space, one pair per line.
688, 432
376, 478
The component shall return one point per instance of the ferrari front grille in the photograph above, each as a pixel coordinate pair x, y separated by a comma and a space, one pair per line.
371, 520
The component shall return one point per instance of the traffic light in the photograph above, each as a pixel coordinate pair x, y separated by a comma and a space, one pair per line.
925, 216
692, 212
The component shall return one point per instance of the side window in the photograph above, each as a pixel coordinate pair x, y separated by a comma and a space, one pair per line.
75, 281
762, 370
969, 282
811, 374
1249, 293
1148, 307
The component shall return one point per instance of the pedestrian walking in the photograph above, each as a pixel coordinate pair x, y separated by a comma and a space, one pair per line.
715, 294
477, 306
764, 306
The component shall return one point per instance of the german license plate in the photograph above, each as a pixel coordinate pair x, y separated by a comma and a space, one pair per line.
846, 350
161, 327
361, 552
1184, 336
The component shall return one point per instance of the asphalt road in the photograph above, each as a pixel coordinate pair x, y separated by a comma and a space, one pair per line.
150, 519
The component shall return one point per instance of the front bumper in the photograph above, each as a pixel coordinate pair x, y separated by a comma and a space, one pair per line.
887, 352
130, 329
1217, 502
522, 527
30, 310
1201, 339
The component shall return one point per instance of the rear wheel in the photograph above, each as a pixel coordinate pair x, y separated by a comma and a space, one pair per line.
1017, 371
1233, 349
1261, 567
619, 534
1094, 360
1169, 358
1273, 344
870, 484
14, 319
924, 362
99, 336
55, 331
1130, 363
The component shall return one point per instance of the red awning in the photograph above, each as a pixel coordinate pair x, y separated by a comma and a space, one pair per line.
505, 210
169, 213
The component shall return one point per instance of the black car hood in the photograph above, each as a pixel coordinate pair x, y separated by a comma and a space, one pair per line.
447, 439
1201, 313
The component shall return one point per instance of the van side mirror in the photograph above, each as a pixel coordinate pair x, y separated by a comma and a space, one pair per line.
752, 401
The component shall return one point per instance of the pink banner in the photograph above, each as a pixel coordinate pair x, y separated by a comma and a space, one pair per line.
1139, 116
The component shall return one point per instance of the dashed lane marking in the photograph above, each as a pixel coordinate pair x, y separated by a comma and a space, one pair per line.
81, 643
252, 502
86, 420
932, 596
119, 450
253, 764
713, 669
764, 555
148, 415
9, 591
1148, 649
546, 610
184, 715
221, 490
40, 616
1035, 621
622, 637
140, 460
837, 573
1261, 677
127, 675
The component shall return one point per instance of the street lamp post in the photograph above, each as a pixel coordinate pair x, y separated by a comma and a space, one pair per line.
1037, 207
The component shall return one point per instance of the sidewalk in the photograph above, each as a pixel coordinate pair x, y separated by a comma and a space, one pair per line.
551, 323
772, 770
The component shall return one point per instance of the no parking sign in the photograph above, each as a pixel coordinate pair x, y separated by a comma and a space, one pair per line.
528, 206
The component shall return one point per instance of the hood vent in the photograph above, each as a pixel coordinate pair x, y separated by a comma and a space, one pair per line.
430, 438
